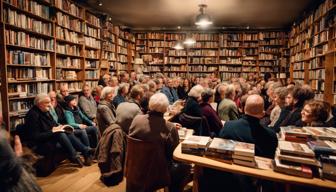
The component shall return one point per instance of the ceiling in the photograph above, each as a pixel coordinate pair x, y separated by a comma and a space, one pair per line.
168, 14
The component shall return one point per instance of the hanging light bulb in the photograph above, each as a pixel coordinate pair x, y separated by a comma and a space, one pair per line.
189, 41
178, 45
203, 19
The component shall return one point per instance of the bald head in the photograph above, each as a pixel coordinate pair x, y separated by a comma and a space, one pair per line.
254, 106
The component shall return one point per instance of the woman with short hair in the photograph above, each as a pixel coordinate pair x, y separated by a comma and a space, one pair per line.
315, 114
106, 113
192, 106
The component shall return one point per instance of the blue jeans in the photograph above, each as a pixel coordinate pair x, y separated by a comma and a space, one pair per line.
84, 134
70, 143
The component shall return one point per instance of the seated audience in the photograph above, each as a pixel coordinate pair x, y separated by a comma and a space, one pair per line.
227, 109
121, 96
215, 124
56, 110
126, 111
153, 128
315, 114
82, 124
182, 90
170, 91
45, 133
63, 92
279, 98
192, 106
103, 81
97, 92
87, 103
106, 113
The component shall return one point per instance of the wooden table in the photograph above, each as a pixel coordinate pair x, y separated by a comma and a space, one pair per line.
253, 172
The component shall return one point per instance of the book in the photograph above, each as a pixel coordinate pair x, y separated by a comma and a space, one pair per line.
195, 145
67, 128
324, 133
224, 146
322, 147
295, 149
328, 159
263, 163
244, 149
301, 171
329, 171
244, 163
297, 159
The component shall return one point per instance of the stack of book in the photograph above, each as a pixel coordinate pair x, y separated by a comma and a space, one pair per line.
221, 149
244, 154
295, 134
195, 145
295, 159
323, 133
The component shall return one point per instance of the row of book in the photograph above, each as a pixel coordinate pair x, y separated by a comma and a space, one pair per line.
202, 53
318, 86
23, 21
122, 58
66, 34
268, 63
109, 46
202, 68
110, 56
26, 40
230, 52
122, 50
33, 7
20, 107
68, 6
267, 56
299, 66
175, 68
298, 75
91, 74
90, 31
206, 45
62, 74
173, 60
19, 74
69, 22
230, 69
92, 19
205, 37
266, 69
68, 49
91, 54
177, 53
72, 86
230, 60
203, 60
92, 42
91, 64
318, 62
320, 38
28, 89
68, 62
27, 58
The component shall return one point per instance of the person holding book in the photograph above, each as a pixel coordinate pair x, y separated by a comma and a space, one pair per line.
44, 132
87, 103
106, 112
82, 124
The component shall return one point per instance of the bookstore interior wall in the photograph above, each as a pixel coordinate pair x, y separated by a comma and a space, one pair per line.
47, 43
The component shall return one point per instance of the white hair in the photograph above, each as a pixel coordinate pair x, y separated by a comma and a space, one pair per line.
196, 91
40, 97
229, 91
106, 90
158, 102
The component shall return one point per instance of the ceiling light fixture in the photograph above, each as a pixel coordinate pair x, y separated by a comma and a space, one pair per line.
203, 19
178, 45
189, 41
100, 3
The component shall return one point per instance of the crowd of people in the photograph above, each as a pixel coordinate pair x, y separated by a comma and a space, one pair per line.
130, 108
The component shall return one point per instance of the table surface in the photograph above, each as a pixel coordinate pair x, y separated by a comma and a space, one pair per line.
253, 172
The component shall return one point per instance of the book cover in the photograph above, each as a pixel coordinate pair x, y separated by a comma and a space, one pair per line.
244, 163
220, 145
244, 149
321, 132
194, 141
263, 163
322, 147
297, 159
301, 171
295, 149
329, 171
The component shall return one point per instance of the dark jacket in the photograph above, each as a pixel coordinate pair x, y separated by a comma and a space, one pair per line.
283, 115
118, 99
106, 115
248, 129
182, 93
192, 107
293, 118
171, 93
40, 125
215, 124
111, 155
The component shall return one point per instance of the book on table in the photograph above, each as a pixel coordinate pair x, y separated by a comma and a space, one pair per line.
221, 149
309, 161
323, 133
321, 147
195, 145
295, 149
296, 170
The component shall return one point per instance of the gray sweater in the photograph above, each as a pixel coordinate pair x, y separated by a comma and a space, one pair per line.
88, 106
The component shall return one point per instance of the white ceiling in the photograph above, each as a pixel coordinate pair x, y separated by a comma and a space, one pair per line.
173, 13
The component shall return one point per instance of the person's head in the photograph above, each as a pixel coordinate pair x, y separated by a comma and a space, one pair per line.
158, 83
158, 102
98, 90
136, 93
106, 78
52, 95
271, 87
133, 76
64, 91
123, 89
86, 90
302, 94
107, 94
280, 95
314, 111
207, 95
169, 83
254, 106
230, 92
113, 82
221, 90
243, 102
71, 101
238, 89
267, 76
43, 102
152, 86
186, 83
196, 92
124, 77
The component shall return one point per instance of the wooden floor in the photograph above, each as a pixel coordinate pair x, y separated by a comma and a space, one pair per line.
68, 178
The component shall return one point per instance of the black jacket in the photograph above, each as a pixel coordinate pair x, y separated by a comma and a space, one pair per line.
248, 129
192, 107
39, 124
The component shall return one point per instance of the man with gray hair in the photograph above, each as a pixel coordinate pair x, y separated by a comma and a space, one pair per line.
44, 132
227, 108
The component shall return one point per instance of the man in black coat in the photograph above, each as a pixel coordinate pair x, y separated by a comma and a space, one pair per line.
246, 129
44, 132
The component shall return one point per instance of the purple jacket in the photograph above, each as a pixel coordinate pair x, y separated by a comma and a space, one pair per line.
215, 124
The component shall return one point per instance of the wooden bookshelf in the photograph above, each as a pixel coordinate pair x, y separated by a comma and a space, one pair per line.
312, 50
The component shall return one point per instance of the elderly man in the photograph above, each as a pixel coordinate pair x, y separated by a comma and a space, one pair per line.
63, 92
170, 91
227, 109
45, 132
87, 103
126, 111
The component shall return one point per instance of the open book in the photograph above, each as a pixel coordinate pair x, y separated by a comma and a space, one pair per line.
67, 128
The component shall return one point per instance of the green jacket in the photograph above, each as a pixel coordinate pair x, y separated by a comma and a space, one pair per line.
71, 120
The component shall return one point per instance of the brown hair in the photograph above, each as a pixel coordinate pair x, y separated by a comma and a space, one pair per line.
319, 110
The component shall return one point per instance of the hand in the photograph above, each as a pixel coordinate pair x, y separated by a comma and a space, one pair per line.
82, 126
17, 146
178, 126
94, 124
57, 129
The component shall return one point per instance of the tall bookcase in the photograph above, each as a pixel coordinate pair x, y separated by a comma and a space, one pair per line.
227, 54
312, 50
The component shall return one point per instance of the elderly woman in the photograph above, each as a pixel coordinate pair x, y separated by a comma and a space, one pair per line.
315, 114
106, 113
192, 106
153, 128
87, 103
215, 124
279, 98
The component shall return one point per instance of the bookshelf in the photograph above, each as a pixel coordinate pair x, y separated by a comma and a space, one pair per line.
109, 54
125, 50
312, 50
